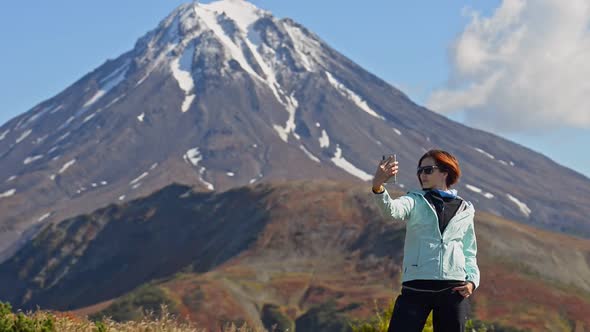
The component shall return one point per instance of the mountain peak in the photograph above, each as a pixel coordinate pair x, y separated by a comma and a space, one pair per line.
223, 17
243, 13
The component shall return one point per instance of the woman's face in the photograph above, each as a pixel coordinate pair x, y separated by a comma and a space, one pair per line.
435, 180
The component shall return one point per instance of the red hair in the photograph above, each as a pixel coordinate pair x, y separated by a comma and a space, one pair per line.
446, 162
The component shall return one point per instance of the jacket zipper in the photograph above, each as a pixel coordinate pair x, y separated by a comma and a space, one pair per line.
461, 209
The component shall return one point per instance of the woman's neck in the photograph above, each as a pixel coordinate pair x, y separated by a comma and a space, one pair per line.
436, 188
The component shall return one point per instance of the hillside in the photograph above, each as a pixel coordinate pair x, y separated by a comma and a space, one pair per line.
305, 251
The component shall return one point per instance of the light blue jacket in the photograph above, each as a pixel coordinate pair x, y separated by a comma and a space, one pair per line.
428, 254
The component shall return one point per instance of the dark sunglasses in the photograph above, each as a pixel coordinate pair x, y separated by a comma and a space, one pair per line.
426, 169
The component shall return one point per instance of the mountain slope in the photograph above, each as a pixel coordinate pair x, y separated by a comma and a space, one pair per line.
295, 245
224, 94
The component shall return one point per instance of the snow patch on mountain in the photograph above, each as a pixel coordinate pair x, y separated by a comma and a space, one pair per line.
43, 217
324, 139
139, 178
241, 12
56, 109
8, 193
302, 46
256, 178
40, 139
182, 71
309, 154
66, 124
351, 95
112, 102
88, 118
479, 191
24, 135
522, 206
193, 156
473, 188
505, 163
66, 166
341, 162
51, 109
3, 135
485, 153
12, 178
291, 106
62, 137
108, 83
29, 160
188, 101
143, 78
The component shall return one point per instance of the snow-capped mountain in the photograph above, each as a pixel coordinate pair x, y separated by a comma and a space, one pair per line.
225, 94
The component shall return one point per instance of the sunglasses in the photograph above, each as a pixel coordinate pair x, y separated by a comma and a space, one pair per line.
426, 169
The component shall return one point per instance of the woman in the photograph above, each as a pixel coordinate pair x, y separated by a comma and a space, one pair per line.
439, 268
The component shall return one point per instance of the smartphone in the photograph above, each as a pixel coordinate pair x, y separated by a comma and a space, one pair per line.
394, 159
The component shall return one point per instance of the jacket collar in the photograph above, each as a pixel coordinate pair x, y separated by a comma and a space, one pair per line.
466, 206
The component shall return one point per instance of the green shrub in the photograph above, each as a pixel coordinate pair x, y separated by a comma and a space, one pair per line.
274, 320
10, 322
323, 317
100, 326
135, 305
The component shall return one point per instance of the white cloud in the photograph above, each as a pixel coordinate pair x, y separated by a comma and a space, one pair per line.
523, 68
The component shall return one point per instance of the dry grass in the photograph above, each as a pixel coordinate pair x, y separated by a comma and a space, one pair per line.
165, 322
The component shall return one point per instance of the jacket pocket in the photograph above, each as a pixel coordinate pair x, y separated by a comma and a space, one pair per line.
457, 259
428, 255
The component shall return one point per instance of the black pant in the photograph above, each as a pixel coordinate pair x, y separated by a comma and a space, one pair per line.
450, 311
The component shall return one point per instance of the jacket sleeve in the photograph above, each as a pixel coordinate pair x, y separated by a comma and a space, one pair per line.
470, 251
398, 208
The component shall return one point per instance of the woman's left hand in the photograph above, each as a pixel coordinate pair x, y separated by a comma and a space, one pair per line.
465, 290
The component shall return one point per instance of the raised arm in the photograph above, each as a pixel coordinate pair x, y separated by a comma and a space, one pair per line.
399, 208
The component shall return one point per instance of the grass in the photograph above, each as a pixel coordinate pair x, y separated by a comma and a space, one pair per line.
164, 321
46, 321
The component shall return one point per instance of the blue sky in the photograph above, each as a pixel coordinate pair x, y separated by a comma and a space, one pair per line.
424, 48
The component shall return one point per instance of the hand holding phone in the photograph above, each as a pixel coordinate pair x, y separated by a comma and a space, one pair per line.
394, 156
